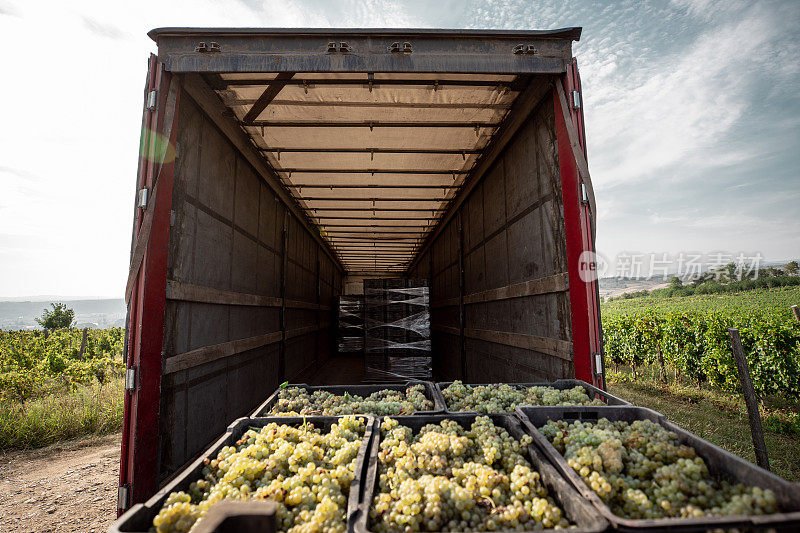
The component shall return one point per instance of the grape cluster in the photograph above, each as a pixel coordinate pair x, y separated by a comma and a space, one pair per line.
641, 470
504, 398
294, 401
448, 478
306, 472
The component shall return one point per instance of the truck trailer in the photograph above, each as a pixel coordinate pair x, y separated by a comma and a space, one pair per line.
277, 166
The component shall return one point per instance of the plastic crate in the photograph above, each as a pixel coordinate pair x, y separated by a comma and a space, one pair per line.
239, 517
577, 510
139, 518
560, 384
721, 464
431, 392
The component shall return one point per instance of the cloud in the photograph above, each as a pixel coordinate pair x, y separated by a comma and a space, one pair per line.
8, 9
104, 29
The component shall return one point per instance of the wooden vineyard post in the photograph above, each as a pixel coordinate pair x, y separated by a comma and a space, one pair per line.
661, 369
83, 342
796, 311
750, 399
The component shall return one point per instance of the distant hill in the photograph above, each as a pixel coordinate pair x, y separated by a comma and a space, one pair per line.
99, 313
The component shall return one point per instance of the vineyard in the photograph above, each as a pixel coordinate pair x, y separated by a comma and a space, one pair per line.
776, 302
60, 385
696, 346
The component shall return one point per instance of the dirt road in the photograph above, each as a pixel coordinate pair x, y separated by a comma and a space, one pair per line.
63, 488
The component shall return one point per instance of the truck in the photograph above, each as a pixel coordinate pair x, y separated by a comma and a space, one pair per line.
277, 166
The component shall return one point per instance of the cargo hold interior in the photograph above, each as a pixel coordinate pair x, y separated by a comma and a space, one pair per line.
290, 187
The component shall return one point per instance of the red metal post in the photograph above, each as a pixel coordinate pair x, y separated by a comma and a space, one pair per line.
139, 453
572, 87
574, 225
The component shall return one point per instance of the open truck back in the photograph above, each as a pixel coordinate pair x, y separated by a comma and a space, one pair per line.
278, 164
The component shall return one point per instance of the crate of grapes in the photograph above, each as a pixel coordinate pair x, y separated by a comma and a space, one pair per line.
245, 462
465, 473
643, 473
413, 397
487, 398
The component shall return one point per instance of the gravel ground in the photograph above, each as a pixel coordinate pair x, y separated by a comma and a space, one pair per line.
66, 487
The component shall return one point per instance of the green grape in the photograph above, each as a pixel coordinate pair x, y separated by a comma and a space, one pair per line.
450, 478
294, 401
306, 472
504, 398
641, 470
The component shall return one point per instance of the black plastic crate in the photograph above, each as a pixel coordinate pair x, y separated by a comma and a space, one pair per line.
577, 510
139, 518
431, 392
721, 464
561, 384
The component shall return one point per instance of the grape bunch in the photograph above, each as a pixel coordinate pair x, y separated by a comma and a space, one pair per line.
448, 478
305, 471
642, 471
294, 401
504, 398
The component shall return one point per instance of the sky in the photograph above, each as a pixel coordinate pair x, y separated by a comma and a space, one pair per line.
692, 112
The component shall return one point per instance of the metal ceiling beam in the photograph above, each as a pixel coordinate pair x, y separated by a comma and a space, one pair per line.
368, 124
361, 209
267, 96
370, 151
370, 218
369, 171
349, 199
332, 187
365, 82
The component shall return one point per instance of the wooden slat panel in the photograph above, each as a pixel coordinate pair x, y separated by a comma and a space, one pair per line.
187, 292
218, 351
207, 354
556, 347
555, 283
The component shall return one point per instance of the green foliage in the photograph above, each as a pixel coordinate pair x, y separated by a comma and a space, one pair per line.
776, 301
33, 367
792, 268
726, 281
60, 317
698, 346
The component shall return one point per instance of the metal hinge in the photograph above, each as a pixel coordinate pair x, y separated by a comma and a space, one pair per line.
130, 378
598, 363
122, 497
141, 201
397, 48
171, 217
151, 100
339, 47
525, 49
576, 100
205, 48
584, 194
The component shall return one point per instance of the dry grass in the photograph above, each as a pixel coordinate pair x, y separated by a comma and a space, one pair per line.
58, 416
720, 420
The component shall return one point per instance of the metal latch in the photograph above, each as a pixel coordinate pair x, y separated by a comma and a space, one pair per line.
528, 49
598, 363
122, 497
130, 379
397, 48
576, 100
141, 201
584, 193
205, 48
339, 47
151, 100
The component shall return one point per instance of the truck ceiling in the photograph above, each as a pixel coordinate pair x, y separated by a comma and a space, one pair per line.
374, 133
